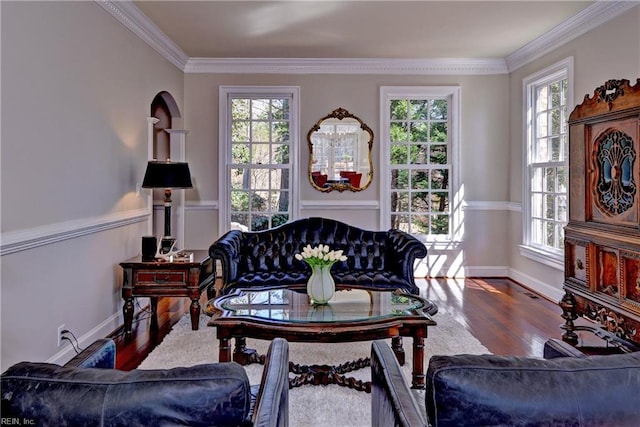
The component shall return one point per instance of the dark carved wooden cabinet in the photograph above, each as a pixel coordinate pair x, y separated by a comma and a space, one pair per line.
602, 238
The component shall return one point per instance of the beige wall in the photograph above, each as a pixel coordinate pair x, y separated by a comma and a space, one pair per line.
611, 51
483, 145
76, 92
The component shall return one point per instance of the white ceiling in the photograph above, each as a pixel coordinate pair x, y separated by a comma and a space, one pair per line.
356, 29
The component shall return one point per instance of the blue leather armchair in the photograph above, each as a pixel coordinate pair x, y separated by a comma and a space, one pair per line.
87, 391
375, 259
567, 389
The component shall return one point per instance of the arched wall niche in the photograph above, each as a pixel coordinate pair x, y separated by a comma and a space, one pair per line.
165, 109
169, 101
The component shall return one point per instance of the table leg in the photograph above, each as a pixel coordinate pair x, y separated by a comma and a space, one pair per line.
154, 313
244, 355
398, 349
195, 313
127, 313
225, 350
418, 380
211, 289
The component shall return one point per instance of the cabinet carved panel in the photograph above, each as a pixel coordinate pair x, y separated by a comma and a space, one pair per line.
614, 172
606, 278
576, 260
602, 238
630, 275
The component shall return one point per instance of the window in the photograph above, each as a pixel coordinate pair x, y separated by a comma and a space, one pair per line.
419, 146
258, 147
545, 196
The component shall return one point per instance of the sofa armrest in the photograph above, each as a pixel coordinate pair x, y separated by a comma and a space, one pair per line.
403, 250
228, 249
100, 354
392, 403
272, 402
556, 348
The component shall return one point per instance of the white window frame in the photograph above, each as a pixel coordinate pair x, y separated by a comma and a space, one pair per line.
387, 93
562, 69
226, 93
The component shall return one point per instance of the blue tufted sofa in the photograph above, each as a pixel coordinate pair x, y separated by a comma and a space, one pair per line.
566, 388
375, 259
87, 391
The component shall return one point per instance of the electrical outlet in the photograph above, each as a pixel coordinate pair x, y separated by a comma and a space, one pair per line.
60, 329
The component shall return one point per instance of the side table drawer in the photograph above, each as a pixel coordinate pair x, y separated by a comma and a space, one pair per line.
151, 277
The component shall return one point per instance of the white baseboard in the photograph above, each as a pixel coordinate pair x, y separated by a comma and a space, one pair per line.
545, 289
484, 271
104, 329
446, 270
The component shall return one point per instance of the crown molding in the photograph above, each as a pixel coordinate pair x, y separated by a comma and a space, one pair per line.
137, 22
588, 19
346, 66
132, 18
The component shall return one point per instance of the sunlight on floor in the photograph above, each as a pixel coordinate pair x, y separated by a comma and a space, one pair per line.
482, 285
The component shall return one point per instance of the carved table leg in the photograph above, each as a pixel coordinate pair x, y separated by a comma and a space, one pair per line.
127, 312
211, 289
224, 354
195, 313
418, 379
398, 349
244, 355
154, 313
568, 305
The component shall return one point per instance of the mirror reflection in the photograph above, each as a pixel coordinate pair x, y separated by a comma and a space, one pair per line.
340, 153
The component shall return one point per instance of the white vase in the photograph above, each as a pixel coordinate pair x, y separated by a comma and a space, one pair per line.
321, 286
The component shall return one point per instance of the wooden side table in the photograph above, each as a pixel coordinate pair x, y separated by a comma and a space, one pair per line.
160, 278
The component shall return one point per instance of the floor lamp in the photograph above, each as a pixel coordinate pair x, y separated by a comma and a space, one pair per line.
167, 175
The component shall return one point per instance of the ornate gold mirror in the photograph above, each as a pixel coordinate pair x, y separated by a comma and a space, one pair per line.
340, 153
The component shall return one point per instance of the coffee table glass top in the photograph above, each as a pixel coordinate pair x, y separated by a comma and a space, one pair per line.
349, 305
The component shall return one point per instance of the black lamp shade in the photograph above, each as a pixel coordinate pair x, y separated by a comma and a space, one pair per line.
167, 175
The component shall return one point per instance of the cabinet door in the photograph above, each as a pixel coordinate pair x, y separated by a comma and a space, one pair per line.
631, 280
576, 256
606, 280
613, 172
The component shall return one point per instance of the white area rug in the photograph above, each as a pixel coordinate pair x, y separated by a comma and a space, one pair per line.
312, 406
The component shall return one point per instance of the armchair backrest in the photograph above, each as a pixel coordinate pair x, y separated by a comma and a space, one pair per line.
58, 395
488, 390
201, 395
501, 390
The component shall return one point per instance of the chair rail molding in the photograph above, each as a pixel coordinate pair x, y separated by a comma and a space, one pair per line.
485, 206
339, 204
193, 205
22, 240
201, 205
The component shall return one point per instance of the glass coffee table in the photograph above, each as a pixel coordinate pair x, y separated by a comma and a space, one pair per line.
351, 315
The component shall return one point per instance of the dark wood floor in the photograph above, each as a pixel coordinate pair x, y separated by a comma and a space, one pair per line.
506, 317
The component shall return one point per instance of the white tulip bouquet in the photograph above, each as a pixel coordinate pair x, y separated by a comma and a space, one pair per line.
321, 255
